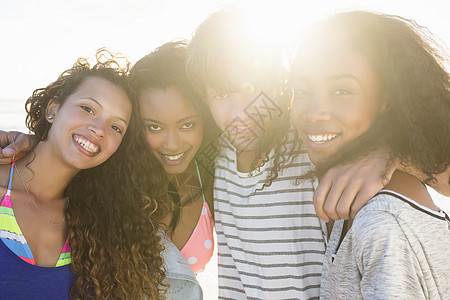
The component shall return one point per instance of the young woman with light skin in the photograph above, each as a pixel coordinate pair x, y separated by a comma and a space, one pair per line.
178, 128
71, 225
365, 81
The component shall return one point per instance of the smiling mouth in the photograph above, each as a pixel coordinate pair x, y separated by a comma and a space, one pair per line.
86, 144
174, 157
239, 129
322, 138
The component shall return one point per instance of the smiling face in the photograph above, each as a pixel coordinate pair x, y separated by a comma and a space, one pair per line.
335, 100
245, 109
89, 126
174, 127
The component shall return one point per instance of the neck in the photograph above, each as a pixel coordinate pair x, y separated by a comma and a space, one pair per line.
187, 185
184, 179
247, 161
43, 175
411, 187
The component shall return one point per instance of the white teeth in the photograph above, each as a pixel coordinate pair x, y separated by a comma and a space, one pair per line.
88, 146
240, 128
320, 139
174, 157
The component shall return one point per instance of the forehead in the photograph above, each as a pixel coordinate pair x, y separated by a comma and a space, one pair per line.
166, 102
102, 90
96, 85
329, 62
238, 77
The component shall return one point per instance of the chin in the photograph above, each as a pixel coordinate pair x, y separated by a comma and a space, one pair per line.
315, 158
175, 170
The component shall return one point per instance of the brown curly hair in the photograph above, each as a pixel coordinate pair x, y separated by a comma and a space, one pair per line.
115, 208
414, 88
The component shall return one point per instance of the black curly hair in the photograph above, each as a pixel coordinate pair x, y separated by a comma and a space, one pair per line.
115, 208
413, 86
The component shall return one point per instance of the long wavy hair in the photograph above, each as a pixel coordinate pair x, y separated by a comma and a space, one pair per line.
414, 88
161, 69
115, 208
223, 41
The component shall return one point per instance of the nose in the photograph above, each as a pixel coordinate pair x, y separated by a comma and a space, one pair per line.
240, 108
98, 128
317, 108
172, 141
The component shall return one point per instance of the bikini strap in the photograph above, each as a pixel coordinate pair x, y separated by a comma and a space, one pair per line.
8, 192
200, 180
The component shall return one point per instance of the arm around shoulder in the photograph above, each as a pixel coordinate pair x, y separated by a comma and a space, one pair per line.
14, 144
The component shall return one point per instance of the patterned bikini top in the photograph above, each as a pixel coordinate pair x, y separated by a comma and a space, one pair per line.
199, 249
12, 236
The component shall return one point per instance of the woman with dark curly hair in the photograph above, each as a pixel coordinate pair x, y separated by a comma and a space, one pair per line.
366, 81
79, 190
180, 132
256, 200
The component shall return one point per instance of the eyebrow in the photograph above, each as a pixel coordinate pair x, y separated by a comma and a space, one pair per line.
187, 118
343, 76
178, 122
98, 103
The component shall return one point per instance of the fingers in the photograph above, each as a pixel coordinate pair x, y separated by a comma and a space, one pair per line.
6, 156
347, 199
345, 189
365, 193
320, 195
333, 198
15, 145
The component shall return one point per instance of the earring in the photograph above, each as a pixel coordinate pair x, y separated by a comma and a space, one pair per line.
50, 117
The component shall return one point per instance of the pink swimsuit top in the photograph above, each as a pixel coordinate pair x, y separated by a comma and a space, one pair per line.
199, 249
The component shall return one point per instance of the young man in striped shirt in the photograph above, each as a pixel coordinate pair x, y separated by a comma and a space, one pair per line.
270, 241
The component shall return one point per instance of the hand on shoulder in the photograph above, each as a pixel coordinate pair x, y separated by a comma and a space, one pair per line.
14, 144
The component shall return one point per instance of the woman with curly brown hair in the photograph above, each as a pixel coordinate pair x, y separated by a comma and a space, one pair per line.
79, 190
366, 81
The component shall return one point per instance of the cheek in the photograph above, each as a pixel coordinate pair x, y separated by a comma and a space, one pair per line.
366, 118
198, 136
219, 114
296, 115
114, 144
153, 141
358, 121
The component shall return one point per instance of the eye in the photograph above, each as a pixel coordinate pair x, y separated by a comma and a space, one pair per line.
188, 125
117, 128
301, 93
87, 109
341, 92
221, 97
154, 127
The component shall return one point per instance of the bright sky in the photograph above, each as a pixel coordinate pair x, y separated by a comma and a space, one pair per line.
40, 39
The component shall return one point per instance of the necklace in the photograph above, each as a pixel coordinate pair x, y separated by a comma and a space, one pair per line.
194, 190
37, 208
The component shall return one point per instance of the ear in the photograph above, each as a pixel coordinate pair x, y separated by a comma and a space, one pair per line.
51, 110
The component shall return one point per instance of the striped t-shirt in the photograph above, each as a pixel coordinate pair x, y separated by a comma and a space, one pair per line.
270, 244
